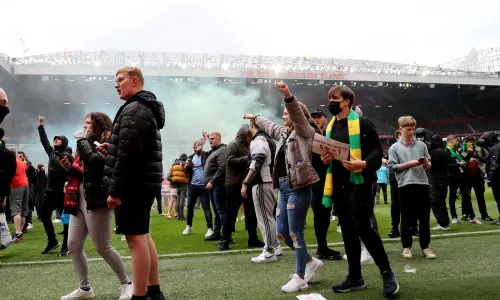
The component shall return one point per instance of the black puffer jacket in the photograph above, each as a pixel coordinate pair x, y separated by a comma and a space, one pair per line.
135, 170
57, 175
7, 169
93, 169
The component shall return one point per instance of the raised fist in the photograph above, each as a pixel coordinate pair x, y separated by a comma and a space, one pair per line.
41, 119
283, 88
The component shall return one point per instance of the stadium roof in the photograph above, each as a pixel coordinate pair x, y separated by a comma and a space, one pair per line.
468, 70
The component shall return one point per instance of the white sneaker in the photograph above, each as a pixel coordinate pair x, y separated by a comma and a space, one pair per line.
334, 218
264, 257
339, 230
209, 232
242, 218
366, 257
126, 291
278, 250
295, 284
187, 230
312, 268
454, 221
123, 238
30, 226
344, 257
407, 253
476, 221
79, 294
56, 221
441, 228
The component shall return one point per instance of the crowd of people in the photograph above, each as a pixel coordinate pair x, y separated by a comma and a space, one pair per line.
270, 169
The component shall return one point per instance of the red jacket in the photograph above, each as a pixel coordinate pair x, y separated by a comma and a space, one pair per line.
20, 179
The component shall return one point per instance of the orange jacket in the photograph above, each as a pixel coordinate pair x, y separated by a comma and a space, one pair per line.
178, 174
20, 179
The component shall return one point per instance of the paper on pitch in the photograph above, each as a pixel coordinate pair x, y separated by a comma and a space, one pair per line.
311, 297
322, 144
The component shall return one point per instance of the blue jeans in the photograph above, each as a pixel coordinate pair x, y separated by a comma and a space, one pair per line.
290, 225
218, 199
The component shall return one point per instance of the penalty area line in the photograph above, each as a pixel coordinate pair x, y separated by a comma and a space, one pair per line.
255, 250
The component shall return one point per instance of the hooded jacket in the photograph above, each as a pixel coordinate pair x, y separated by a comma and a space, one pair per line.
492, 164
7, 169
441, 161
237, 157
57, 175
134, 169
178, 170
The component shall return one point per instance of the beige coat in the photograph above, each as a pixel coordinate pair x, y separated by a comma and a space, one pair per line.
298, 146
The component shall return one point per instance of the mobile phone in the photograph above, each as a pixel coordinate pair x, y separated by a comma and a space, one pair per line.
97, 144
421, 159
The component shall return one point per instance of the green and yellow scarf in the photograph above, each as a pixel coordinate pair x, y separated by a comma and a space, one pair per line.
355, 150
454, 153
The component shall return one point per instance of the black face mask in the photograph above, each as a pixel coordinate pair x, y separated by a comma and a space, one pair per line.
334, 107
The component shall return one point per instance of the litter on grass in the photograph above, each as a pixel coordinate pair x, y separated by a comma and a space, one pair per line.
409, 269
311, 297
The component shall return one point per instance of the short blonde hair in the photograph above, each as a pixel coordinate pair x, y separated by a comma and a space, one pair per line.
216, 134
406, 121
132, 71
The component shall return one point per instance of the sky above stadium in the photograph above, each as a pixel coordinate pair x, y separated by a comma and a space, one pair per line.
424, 32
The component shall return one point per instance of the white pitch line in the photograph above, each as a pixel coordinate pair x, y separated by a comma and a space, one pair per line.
175, 255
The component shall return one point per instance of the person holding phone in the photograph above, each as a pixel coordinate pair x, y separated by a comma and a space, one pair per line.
409, 159
56, 178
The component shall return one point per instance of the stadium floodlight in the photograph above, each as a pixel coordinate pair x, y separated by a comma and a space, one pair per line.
97, 64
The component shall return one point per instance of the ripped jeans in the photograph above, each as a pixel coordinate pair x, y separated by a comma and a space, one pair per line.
290, 220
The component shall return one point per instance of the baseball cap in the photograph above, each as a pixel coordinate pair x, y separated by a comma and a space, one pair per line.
318, 112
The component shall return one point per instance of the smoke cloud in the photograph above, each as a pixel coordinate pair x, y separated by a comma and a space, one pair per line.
190, 109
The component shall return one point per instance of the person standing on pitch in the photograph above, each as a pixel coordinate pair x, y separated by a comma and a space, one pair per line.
409, 159
133, 175
348, 185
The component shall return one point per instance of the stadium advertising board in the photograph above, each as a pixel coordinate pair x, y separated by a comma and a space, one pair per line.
293, 75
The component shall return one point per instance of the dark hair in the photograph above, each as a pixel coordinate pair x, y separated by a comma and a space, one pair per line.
24, 154
40, 166
2, 133
101, 122
343, 91
469, 138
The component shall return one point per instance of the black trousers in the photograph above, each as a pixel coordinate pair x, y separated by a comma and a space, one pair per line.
8, 212
321, 217
396, 208
438, 203
159, 200
495, 187
467, 210
356, 223
195, 192
415, 205
477, 183
383, 187
233, 203
53, 200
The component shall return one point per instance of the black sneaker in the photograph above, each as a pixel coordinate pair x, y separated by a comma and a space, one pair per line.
391, 285
394, 233
488, 218
414, 232
213, 237
64, 251
350, 285
255, 243
50, 247
496, 223
17, 237
465, 218
328, 254
221, 241
159, 296
223, 246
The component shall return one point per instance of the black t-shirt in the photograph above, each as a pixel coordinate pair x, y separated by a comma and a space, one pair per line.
340, 133
280, 163
441, 162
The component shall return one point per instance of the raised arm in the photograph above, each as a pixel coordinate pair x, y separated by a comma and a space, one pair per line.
43, 137
300, 123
